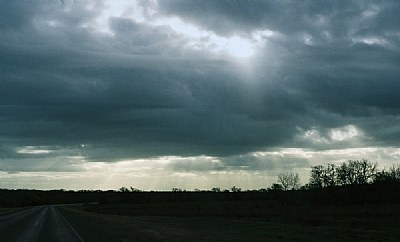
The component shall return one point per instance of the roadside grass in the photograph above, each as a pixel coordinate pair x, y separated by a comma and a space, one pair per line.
243, 221
10, 210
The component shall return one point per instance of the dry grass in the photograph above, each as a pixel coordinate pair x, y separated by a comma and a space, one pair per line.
350, 223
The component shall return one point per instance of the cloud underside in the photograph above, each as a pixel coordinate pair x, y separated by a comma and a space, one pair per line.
107, 82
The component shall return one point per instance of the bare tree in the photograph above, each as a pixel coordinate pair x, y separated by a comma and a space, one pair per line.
394, 172
133, 189
236, 189
289, 181
216, 189
323, 177
123, 189
329, 176
276, 187
317, 177
392, 175
356, 172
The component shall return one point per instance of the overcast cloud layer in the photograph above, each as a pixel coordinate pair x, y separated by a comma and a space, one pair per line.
211, 86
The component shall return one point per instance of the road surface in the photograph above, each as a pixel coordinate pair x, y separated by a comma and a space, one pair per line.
44, 223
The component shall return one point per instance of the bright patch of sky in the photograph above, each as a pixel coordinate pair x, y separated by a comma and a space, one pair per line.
33, 150
198, 39
339, 134
345, 133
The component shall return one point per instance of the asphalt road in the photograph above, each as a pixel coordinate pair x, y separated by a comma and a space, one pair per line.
46, 223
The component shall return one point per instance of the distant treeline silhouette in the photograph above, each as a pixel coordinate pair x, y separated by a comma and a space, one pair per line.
353, 181
352, 172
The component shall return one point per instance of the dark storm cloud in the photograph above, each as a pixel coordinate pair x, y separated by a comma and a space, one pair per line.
140, 93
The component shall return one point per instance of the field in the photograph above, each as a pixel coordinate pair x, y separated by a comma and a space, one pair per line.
244, 221
357, 213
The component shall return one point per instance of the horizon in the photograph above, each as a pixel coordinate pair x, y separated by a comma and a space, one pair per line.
163, 94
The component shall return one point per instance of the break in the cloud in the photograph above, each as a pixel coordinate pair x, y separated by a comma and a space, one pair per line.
219, 86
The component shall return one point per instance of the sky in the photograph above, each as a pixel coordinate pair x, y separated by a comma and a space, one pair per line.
194, 94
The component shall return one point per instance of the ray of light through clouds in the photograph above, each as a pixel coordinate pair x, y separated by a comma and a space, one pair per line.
194, 94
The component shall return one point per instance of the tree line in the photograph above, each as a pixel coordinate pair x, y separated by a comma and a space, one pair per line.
351, 172
353, 181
